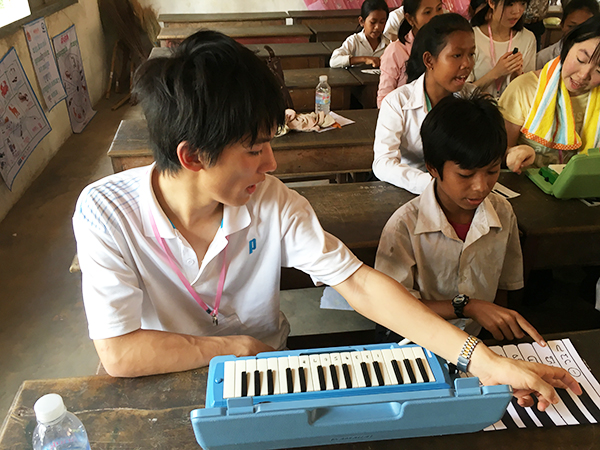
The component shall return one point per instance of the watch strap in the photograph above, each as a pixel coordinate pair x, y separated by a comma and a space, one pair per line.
464, 358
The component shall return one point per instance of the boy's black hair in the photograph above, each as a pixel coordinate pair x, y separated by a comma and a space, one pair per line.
590, 29
575, 5
369, 6
480, 18
468, 131
432, 38
212, 92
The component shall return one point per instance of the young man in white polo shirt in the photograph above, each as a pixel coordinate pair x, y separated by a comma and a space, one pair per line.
181, 259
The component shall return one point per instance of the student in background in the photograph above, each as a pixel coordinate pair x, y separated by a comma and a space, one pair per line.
366, 46
207, 221
554, 111
393, 23
456, 246
393, 62
498, 32
575, 13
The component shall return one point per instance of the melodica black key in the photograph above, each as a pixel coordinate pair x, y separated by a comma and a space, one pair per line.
334, 377
257, 382
365, 371
378, 373
411, 374
322, 383
270, 383
397, 371
290, 380
244, 384
302, 379
422, 369
347, 376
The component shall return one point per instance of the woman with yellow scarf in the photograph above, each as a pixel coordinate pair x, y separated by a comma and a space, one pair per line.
555, 111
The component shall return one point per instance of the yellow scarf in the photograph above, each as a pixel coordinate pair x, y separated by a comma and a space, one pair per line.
551, 121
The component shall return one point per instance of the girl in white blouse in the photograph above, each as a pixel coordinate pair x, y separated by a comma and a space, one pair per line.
505, 49
366, 46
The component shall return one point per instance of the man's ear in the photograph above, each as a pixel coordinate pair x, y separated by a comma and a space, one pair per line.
432, 171
189, 158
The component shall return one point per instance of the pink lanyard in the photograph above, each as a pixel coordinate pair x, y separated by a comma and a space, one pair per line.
493, 53
170, 260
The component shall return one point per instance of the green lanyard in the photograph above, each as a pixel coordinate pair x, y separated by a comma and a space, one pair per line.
427, 102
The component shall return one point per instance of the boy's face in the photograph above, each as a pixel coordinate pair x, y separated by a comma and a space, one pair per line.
575, 18
237, 172
461, 191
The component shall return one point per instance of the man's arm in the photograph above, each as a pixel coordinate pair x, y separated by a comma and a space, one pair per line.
386, 302
149, 352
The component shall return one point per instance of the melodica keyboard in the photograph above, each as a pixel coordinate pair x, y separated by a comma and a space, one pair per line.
340, 394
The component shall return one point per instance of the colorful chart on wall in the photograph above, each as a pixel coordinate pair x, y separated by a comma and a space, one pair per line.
44, 63
23, 123
70, 67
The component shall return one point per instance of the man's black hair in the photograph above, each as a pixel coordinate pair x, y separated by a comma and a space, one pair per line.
590, 29
212, 92
467, 131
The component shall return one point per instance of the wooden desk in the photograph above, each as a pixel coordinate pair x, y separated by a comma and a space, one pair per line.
332, 45
302, 83
349, 149
270, 34
332, 31
154, 413
296, 56
223, 19
556, 232
292, 56
367, 93
331, 16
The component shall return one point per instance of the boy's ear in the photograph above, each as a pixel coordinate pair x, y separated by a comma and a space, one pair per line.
428, 60
188, 157
432, 170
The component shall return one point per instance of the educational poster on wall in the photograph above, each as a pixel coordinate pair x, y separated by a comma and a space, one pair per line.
70, 67
22, 121
44, 63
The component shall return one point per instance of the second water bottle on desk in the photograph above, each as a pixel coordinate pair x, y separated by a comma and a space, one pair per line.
323, 96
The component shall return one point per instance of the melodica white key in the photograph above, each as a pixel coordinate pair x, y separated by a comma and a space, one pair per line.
295, 373
401, 360
241, 379
316, 371
379, 365
283, 364
356, 365
348, 370
325, 363
411, 366
304, 362
229, 379
367, 368
273, 366
251, 371
420, 354
336, 363
262, 367
392, 366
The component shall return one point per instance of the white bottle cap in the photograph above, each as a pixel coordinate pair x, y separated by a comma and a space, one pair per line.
322, 78
49, 408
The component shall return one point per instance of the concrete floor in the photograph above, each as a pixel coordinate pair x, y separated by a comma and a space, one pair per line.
43, 331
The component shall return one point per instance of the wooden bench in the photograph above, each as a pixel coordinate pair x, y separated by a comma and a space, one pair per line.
301, 84
332, 31
298, 154
254, 19
271, 34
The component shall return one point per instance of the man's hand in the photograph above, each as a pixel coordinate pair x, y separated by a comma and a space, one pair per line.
503, 323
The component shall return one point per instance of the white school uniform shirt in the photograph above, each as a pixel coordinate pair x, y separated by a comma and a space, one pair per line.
356, 45
524, 40
547, 54
127, 285
420, 249
398, 147
393, 22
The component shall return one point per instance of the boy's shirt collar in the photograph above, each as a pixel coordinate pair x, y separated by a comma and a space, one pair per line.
432, 219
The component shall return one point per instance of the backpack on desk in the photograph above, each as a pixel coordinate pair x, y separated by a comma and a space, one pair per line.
274, 63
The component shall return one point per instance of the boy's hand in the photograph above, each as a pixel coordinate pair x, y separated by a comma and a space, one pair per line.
503, 323
372, 61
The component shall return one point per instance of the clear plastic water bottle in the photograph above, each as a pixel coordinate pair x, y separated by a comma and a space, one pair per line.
57, 428
323, 96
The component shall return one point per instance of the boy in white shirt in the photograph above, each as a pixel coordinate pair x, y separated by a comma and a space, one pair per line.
456, 246
181, 259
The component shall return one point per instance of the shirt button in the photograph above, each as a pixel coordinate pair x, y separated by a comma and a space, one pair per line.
190, 262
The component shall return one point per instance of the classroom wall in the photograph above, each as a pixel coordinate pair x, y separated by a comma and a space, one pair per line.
222, 6
86, 17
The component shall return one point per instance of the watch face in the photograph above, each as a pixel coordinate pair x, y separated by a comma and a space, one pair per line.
459, 300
